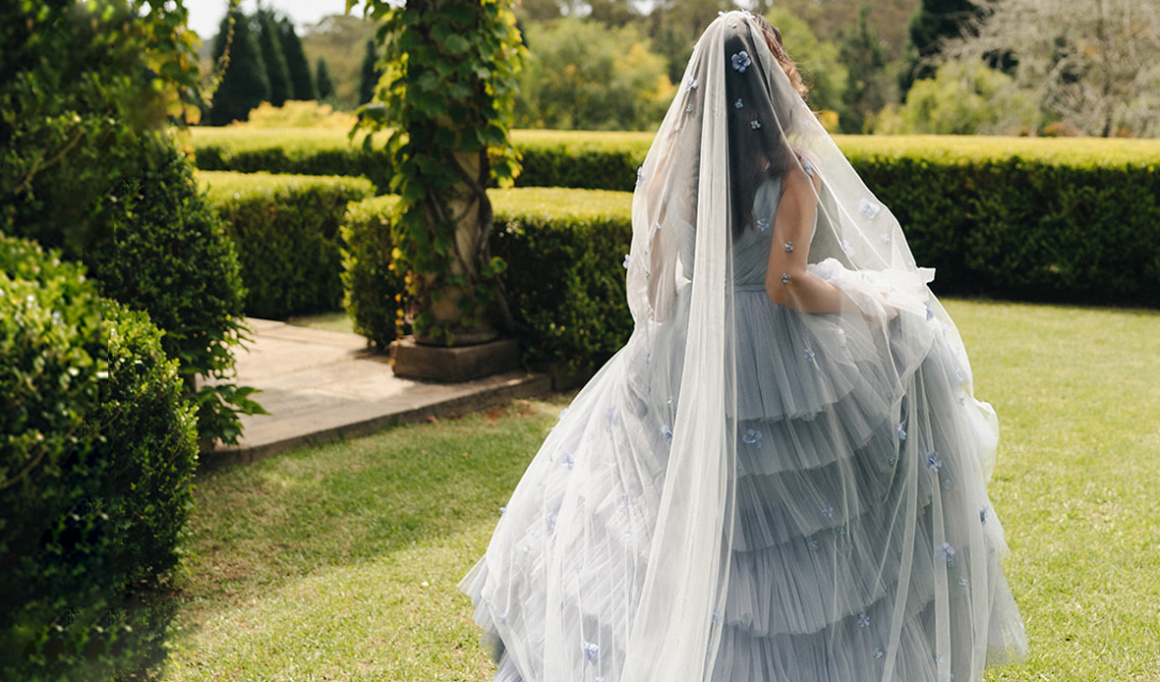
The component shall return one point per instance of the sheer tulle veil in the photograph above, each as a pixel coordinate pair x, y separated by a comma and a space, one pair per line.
620, 554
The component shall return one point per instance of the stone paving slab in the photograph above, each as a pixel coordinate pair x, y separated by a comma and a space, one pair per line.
321, 386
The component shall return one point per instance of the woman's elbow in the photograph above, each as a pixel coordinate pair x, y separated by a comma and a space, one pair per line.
784, 289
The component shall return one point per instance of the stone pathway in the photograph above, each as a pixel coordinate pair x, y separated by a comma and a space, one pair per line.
323, 386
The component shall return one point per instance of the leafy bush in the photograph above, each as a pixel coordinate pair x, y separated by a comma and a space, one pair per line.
372, 289
564, 279
166, 253
97, 451
286, 231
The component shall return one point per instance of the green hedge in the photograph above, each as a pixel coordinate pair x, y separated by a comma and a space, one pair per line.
565, 283
286, 229
97, 451
550, 158
564, 250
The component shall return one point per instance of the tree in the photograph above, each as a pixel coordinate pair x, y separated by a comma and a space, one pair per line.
816, 59
448, 90
867, 82
301, 80
270, 43
1090, 64
934, 23
244, 84
964, 98
322, 80
369, 74
581, 75
336, 39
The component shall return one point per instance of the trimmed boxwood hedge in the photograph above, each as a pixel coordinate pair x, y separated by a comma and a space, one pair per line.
564, 281
564, 249
286, 229
97, 451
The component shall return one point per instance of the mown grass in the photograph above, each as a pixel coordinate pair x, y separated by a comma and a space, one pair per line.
340, 562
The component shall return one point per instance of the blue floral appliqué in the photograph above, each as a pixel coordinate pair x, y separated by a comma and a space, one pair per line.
863, 621
828, 512
741, 61
738, 104
627, 260
692, 83
752, 437
667, 433
879, 653
949, 552
933, 460
755, 124
900, 432
789, 247
689, 108
762, 224
591, 651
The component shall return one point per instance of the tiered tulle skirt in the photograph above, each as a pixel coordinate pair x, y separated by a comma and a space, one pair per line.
863, 544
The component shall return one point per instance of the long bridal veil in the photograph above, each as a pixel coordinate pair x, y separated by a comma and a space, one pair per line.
745, 492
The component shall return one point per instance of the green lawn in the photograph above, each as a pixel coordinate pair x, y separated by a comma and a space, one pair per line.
340, 562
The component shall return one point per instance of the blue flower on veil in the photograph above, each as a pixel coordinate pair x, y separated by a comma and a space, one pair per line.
741, 61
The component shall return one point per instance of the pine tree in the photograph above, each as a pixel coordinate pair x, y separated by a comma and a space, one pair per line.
244, 84
932, 23
322, 81
369, 79
865, 57
271, 44
301, 80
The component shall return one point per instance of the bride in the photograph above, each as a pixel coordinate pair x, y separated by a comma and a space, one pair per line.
782, 475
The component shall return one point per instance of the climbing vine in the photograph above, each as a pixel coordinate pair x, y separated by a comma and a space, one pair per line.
446, 100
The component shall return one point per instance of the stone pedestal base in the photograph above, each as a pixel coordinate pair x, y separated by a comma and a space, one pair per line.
454, 364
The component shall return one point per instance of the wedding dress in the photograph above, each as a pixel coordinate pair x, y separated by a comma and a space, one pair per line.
746, 492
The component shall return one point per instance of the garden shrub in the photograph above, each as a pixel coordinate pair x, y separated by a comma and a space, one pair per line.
165, 252
371, 287
286, 229
564, 279
97, 451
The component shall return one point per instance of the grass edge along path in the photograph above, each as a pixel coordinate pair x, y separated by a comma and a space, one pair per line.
340, 562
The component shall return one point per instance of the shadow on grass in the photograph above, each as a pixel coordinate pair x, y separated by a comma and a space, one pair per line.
257, 527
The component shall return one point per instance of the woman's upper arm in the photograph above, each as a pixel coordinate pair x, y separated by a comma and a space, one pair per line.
792, 228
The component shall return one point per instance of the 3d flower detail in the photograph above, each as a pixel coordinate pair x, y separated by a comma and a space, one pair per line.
627, 260
568, 461
933, 460
591, 651
762, 224
929, 311
868, 208
752, 437
946, 484
667, 433
738, 104
813, 544
828, 511
846, 248
879, 653
983, 515
785, 278
689, 107
808, 355
789, 247
692, 83
900, 432
741, 61
808, 167
863, 621
962, 581
755, 124
949, 552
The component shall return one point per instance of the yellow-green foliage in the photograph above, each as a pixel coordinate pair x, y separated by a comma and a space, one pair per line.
286, 230
972, 149
298, 114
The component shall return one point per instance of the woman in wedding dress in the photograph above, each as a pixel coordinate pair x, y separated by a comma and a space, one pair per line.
782, 475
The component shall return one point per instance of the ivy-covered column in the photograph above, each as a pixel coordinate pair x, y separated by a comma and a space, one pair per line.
446, 99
